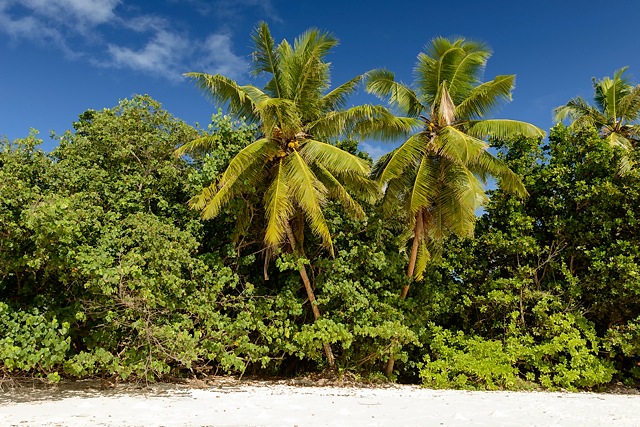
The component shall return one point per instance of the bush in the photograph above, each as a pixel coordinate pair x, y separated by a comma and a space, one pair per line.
31, 342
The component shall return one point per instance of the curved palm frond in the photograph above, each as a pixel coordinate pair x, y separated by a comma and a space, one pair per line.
609, 92
310, 194
333, 158
367, 189
459, 62
265, 58
213, 198
617, 104
630, 104
363, 121
278, 207
487, 164
425, 186
406, 156
618, 140
338, 192
634, 132
395, 200
278, 112
501, 129
458, 201
381, 83
577, 109
485, 97
198, 145
257, 151
243, 169
458, 146
337, 98
223, 90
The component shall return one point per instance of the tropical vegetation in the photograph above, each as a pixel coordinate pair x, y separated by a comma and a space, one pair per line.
144, 248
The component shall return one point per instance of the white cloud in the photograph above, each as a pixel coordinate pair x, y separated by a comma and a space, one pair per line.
145, 42
51, 22
170, 55
159, 56
218, 57
87, 12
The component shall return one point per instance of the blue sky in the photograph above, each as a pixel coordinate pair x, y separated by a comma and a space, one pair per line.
59, 58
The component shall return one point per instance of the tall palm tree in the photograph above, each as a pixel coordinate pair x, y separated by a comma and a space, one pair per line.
292, 163
438, 174
617, 106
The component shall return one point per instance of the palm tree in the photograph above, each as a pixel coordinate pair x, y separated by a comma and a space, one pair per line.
438, 174
617, 106
292, 163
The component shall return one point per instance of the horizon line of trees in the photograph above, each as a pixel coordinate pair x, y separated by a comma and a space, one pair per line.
122, 257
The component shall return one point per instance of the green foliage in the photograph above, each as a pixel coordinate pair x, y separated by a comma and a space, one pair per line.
31, 342
470, 363
562, 353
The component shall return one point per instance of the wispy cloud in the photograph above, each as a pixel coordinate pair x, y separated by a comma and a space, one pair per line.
219, 58
83, 29
161, 54
83, 12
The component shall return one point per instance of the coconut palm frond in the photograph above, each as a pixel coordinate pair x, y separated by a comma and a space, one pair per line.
487, 164
366, 189
458, 146
337, 98
223, 90
630, 104
485, 97
333, 158
406, 156
265, 58
617, 140
425, 186
199, 145
278, 207
609, 92
501, 129
256, 152
337, 191
422, 261
310, 194
459, 62
381, 83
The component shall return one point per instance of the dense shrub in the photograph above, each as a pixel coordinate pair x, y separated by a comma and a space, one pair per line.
105, 271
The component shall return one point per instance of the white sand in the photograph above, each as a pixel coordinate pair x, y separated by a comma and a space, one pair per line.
280, 405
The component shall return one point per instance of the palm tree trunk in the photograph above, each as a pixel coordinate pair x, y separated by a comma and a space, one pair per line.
417, 233
312, 298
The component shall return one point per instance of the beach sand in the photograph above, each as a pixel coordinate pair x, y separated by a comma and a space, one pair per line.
274, 404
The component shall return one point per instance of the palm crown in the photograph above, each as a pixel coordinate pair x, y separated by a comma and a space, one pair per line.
439, 172
617, 106
293, 160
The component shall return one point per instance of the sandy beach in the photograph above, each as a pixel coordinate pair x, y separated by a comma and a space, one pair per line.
272, 404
